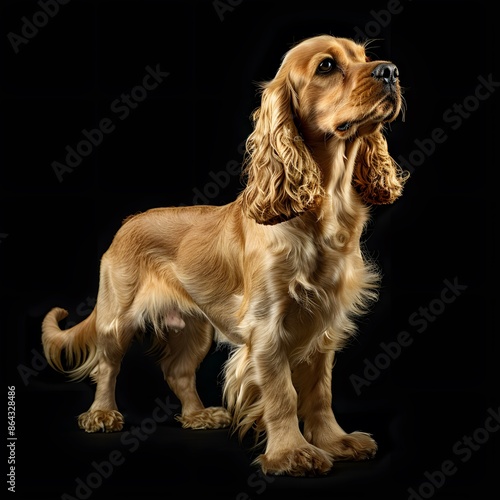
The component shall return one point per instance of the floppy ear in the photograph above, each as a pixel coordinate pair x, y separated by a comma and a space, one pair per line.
377, 177
283, 180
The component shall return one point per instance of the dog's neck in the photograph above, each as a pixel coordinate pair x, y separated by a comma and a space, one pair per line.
335, 158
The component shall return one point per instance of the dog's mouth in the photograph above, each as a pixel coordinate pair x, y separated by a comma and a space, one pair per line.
344, 127
384, 111
346, 130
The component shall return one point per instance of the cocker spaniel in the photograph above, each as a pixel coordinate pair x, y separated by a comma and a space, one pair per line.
278, 273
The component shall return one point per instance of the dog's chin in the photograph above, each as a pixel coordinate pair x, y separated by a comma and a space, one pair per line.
350, 130
359, 127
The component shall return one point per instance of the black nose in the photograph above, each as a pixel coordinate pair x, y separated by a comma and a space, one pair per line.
387, 72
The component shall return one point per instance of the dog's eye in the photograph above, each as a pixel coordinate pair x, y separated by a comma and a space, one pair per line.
325, 66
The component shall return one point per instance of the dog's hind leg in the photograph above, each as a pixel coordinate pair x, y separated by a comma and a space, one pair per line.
183, 353
103, 415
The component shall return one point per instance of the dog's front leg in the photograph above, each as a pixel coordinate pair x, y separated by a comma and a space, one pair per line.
313, 380
287, 452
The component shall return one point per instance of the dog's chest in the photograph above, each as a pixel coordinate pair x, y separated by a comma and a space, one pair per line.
317, 270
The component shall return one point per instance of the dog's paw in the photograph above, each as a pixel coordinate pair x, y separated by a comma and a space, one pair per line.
353, 446
214, 417
303, 461
101, 420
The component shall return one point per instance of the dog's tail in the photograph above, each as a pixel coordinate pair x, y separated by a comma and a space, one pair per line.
78, 343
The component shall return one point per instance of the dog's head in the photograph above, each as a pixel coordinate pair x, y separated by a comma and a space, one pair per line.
325, 89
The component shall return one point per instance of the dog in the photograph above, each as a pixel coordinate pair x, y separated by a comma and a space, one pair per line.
278, 273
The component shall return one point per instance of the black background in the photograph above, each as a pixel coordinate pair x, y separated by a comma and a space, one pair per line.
422, 405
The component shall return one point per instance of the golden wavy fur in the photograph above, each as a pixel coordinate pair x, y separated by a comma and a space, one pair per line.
278, 273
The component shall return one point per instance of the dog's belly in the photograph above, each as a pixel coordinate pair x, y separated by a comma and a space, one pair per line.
223, 315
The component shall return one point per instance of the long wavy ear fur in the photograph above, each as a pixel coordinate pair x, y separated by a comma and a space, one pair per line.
283, 180
377, 177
